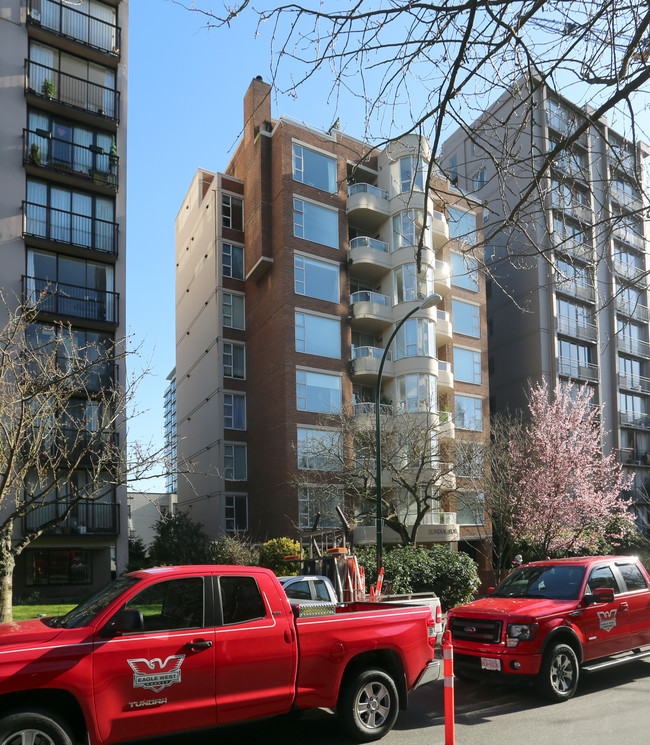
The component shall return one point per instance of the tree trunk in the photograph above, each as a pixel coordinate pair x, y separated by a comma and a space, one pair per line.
7, 564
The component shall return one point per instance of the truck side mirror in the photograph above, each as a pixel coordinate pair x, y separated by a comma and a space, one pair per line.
600, 595
124, 622
490, 590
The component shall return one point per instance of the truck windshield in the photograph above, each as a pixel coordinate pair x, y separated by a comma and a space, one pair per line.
552, 582
84, 613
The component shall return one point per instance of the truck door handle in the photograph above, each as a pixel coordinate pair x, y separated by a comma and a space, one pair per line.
198, 644
624, 607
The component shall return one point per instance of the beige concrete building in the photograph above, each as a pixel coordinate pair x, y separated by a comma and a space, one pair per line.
293, 267
569, 300
63, 88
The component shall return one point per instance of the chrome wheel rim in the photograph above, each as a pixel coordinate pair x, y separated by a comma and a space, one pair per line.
562, 673
373, 705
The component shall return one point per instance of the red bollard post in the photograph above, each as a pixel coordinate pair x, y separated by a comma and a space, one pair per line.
448, 669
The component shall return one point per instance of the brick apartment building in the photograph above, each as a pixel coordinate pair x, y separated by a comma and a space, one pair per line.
293, 267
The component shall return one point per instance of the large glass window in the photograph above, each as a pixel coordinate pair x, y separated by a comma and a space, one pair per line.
318, 335
417, 392
234, 360
234, 462
234, 410
236, 513
462, 225
314, 169
574, 358
469, 508
416, 338
412, 173
232, 212
466, 318
469, 412
315, 223
315, 499
232, 308
464, 272
58, 566
319, 449
232, 261
314, 278
90, 22
467, 365
407, 229
409, 285
319, 392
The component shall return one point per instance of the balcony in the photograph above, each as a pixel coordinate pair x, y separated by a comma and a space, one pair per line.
579, 249
53, 87
56, 226
635, 419
370, 311
69, 22
577, 328
625, 198
71, 301
576, 288
629, 271
88, 518
442, 278
632, 308
439, 229
638, 347
577, 370
365, 364
445, 377
73, 162
631, 457
444, 334
629, 237
633, 382
367, 206
622, 161
577, 210
369, 258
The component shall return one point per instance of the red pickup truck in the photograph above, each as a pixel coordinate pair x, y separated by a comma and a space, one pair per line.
549, 620
186, 648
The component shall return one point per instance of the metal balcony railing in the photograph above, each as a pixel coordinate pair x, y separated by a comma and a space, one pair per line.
626, 343
633, 382
67, 20
637, 419
630, 271
62, 226
577, 288
73, 301
629, 236
624, 197
577, 370
88, 162
50, 83
632, 308
577, 327
86, 518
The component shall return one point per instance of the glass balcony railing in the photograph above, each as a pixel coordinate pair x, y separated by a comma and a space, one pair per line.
366, 408
71, 300
366, 296
364, 241
62, 226
370, 352
363, 188
67, 20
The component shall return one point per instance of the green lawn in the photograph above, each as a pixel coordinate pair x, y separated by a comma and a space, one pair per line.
21, 612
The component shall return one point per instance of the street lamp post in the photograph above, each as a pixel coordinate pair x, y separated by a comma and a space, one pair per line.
428, 302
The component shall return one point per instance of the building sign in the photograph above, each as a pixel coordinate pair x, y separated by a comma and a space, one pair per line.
438, 533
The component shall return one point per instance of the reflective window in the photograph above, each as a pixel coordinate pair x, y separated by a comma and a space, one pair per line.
416, 338
464, 272
234, 410
314, 169
409, 285
469, 412
412, 173
466, 318
319, 450
318, 335
315, 223
234, 462
417, 392
462, 225
315, 278
233, 311
467, 365
234, 360
232, 261
232, 212
319, 499
241, 600
170, 605
318, 392
407, 229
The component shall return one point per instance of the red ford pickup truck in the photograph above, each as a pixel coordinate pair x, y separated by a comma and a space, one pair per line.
185, 648
549, 620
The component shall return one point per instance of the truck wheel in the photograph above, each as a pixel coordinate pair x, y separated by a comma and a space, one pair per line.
34, 728
558, 675
368, 705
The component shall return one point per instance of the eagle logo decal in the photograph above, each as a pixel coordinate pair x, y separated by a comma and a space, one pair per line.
607, 619
156, 674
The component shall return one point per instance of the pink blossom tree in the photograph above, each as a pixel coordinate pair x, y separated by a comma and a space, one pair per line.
569, 490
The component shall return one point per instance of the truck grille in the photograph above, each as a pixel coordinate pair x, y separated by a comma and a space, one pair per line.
476, 630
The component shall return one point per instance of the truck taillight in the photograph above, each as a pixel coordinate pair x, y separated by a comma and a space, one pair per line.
431, 632
439, 614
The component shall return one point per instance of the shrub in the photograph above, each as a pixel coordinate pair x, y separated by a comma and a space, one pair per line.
233, 550
272, 555
137, 554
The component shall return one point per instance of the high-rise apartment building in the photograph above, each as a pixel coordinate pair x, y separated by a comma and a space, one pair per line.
293, 267
63, 79
569, 300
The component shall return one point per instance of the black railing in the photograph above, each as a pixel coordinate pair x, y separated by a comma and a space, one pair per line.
74, 301
52, 84
62, 226
86, 518
85, 161
68, 21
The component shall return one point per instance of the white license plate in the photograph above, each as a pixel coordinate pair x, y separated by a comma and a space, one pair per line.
489, 663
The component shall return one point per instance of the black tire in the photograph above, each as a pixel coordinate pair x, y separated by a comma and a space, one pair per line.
368, 705
43, 727
558, 675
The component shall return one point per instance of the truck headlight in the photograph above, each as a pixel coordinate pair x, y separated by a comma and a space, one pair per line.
520, 632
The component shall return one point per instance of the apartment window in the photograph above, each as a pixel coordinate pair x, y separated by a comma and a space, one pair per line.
469, 413
316, 223
466, 318
412, 173
232, 311
453, 169
470, 508
416, 338
319, 449
58, 566
232, 212
234, 360
319, 392
409, 285
470, 462
319, 499
464, 272
236, 513
232, 261
318, 335
87, 21
579, 275
479, 179
574, 358
234, 410
467, 365
417, 392
234, 462
462, 225
407, 229
314, 169
629, 261
314, 278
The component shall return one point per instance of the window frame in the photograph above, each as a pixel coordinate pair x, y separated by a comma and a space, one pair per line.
231, 315
227, 260
229, 420
229, 454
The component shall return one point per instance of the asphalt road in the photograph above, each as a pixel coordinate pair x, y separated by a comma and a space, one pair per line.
609, 707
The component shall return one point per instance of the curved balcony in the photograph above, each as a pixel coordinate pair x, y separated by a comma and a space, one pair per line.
370, 311
367, 206
369, 258
439, 229
444, 333
446, 428
364, 365
442, 278
416, 365
445, 377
